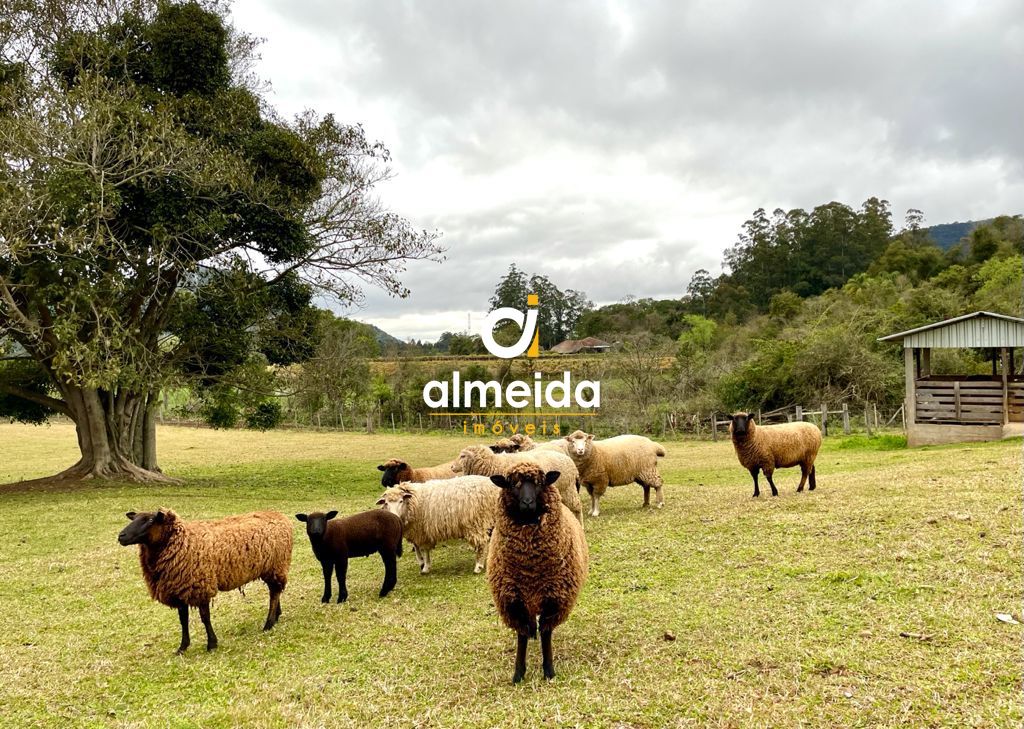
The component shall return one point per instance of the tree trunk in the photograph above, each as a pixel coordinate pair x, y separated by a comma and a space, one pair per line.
116, 435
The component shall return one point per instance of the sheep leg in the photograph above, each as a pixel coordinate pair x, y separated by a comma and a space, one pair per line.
545, 648
647, 493
658, 496
328, 568
803, 477
419, 555
813, 484
753, 472
183, 619
521, 641
425, 566
771, 482
211, 637
342, 570
274, 610
481, 556
390, 572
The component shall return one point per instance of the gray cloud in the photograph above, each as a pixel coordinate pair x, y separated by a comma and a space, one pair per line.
618, 147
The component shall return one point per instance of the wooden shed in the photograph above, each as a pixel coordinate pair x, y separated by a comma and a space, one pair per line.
955, 408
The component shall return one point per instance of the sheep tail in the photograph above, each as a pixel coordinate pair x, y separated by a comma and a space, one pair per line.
659, 450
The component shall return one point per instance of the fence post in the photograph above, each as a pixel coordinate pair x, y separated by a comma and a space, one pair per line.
846, 419
714, 426
369, 422
392, 421
903, 417
867, 418
799, 413
824, 418
874, 406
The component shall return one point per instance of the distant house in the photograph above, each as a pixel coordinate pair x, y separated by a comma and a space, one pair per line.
575, 346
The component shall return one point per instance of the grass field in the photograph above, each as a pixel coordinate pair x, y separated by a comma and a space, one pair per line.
717, 611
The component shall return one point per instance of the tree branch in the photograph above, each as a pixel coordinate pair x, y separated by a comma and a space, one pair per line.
39, 399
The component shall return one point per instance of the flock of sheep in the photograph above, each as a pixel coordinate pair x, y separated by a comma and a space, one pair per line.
528, 531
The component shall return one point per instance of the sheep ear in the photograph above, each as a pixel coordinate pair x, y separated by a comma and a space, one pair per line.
300, 517
381, 501
590, 436
550, 477
331, 515
381, 468
403, 464
159, 518
495, 449
500, 481
130, 515
406, 495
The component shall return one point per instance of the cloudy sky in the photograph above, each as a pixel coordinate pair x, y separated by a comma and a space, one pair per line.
617, 147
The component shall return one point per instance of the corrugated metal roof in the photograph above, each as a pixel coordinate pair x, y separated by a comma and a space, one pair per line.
979, 329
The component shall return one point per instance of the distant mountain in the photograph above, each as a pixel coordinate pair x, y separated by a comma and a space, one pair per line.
948, 235
383, 338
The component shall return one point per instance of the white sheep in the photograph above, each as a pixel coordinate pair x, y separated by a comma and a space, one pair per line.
615, 462
482, 461
444, 510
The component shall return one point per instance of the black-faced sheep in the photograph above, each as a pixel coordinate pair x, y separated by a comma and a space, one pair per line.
186, 563
615, 462
515, 443
767, 447
480, 460
335, 541
397, 471
538, 561
462, 507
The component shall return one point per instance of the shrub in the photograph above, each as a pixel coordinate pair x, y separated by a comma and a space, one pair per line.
265, 416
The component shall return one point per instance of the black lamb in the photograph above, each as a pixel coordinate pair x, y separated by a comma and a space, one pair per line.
334, 541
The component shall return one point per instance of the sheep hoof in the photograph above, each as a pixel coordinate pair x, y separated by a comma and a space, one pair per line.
181, 650
342, 598
549, 673
478, 569
325, 599
211, 646
518, 677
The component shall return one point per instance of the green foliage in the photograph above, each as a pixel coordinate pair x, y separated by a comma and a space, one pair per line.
558, 312
267, 415
1001, 285
222, 410
28, 377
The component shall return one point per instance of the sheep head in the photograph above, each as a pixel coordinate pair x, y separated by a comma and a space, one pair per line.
146, 527
397, 500
395, 472
523, 490
316, 523
741, 425
580, 444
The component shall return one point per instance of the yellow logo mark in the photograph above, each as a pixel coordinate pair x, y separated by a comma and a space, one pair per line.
534, 350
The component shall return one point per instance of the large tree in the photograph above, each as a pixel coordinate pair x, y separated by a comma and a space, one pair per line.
159, 222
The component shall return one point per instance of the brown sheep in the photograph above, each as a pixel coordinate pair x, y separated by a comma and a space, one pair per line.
186, 563
397, 471
767, 447
538, 560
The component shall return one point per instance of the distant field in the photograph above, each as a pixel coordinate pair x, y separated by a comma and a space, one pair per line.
719, 610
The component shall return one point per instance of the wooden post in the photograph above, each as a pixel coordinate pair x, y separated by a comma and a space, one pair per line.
392, 421
369, 422
759, 416
910, 399
926, 362
824, 418
874, 407
903, 416
846, 419
714, 426
799, 413
1004, 355
867, 418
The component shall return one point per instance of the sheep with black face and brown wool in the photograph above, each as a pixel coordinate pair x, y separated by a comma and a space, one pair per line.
186, 563
335, 541
396, 471
538, 560
768, 447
